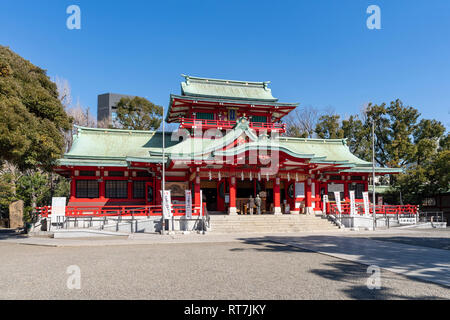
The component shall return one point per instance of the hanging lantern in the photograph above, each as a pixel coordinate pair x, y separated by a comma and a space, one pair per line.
267, 176
296, 176
220, 178
210, 175
250, 175
242, 175
259, 176
288, 177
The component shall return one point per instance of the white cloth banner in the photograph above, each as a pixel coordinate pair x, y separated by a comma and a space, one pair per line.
337, 197
352, 202
188, 202
167, 204
325, 201
366, 202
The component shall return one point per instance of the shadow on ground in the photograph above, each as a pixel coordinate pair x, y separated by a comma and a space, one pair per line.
355, 273
11, 234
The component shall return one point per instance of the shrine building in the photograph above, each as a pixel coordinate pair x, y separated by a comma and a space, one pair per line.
230, 144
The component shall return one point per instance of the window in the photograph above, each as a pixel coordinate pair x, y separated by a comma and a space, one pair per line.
87, 189
138, 189
143, 174
259, 119
359, 189
116, 189
115, 173
85, 173
205, 115
231, 115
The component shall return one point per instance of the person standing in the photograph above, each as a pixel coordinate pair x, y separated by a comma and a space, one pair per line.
251, 204
258, 204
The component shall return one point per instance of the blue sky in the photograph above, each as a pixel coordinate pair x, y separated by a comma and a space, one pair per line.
318, 53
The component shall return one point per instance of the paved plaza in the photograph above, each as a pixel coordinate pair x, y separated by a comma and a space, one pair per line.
251, 266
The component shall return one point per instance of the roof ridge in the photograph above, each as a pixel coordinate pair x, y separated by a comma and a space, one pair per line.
115, 130
262, 83
340, 140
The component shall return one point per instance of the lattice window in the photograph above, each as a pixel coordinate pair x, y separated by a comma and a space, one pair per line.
259, 119
117, 189
205, 115
87, 189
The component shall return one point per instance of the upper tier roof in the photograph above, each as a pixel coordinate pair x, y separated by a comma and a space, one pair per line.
226, 89
206, 94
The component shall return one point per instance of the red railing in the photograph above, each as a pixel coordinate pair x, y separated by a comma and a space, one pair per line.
105, 211
383, 209
224, 124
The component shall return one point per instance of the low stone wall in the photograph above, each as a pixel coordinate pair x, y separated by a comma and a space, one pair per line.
366, 222
149, 224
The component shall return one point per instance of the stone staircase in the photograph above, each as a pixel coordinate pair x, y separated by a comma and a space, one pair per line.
269, 223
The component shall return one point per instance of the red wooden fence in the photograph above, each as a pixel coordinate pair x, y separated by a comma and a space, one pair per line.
105, 211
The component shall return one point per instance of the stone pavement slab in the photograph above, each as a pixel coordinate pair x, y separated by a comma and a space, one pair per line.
428, 264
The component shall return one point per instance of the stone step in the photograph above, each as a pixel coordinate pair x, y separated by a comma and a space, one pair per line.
270, 223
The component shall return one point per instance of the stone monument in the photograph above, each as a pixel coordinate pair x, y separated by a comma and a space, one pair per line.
16, 214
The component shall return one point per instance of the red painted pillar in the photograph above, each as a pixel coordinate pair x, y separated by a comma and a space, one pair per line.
158, 188
346, 194
317, 196
73, 190
276, 196
197, 191
232, 208
130, 190
308, 200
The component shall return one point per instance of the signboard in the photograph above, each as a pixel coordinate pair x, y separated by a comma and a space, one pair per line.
325, 201
188, 203
300, 190
332, 187
366, 202
337, 197
352, 202
58, 209
167, 204
407, 220
201, 203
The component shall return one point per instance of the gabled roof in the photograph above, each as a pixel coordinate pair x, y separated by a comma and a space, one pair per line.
116, 147
226, 89
110, 147
208, 93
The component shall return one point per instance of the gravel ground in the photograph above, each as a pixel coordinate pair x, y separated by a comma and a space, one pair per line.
233, 270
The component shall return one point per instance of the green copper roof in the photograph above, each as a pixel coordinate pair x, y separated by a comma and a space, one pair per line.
226, 89
113, 146
110, 147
